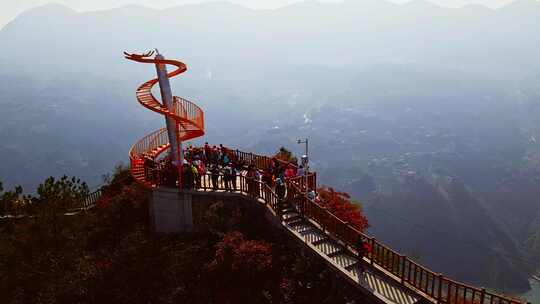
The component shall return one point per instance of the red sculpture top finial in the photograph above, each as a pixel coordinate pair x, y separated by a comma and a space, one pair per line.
133, 56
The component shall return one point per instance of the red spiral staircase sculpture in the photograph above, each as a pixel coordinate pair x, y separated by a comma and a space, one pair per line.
188, 116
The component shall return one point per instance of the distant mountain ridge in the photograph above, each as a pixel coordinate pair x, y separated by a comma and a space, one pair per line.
304, 33
12, 10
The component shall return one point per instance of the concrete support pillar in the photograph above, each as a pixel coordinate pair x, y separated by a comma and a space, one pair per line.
171, 211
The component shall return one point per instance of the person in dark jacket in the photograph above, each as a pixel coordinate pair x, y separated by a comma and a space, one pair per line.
214, 171
234, 176
227, 177
251, 179
280, 188
188, 176
149, 167
207, 152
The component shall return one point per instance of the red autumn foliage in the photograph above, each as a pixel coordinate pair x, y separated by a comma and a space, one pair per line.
244, 259
341, 205
103, 264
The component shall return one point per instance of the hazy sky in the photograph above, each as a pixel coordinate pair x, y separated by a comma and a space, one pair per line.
9, 9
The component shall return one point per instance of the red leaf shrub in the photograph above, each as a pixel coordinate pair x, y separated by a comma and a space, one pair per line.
245, 259
341, 205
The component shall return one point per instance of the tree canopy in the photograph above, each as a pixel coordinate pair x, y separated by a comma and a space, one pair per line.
286, 156
341, 205
110, 255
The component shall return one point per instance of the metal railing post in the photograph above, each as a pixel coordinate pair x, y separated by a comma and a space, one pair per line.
482, 295
372, 243
323, 225
439, 294
402, 272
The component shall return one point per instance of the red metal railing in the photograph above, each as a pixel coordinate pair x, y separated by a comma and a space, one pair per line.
409, 273
433, 285
190, 111
155, 141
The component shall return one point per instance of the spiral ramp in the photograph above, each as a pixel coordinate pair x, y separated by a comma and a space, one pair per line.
189, 118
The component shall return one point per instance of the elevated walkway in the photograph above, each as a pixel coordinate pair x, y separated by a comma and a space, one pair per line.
372, 281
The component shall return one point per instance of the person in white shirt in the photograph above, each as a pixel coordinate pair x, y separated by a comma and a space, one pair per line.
301, 171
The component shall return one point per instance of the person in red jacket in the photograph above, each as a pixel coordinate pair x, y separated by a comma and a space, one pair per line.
289, 172
251, 178
207, 152
363, 249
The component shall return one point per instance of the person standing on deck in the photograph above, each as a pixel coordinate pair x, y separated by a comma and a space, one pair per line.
280, 188
188, 175
276, 168
201, 168
222, 149
149, 168
207, 152
215, 155
196, 176
267, 178
169, 174
250, 177
289, 172
312, 195
300, 171
234, 174
227, 177
258, 179
214, 171
294, 168
362, 249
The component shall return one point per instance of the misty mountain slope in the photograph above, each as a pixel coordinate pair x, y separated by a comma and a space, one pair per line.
426, 111
48, 130
445, 220
394, 138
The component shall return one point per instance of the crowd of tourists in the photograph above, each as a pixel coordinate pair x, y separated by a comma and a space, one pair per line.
219, 167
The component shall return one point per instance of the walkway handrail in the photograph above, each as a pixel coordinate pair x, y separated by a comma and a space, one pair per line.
89, 202
404, 270
408, 272
263, 163
91, 199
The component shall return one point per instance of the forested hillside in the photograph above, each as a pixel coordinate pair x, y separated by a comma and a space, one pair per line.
110, 255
